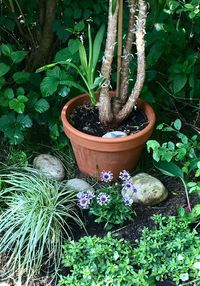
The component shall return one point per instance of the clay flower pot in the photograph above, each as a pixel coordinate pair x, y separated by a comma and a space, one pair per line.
96, 154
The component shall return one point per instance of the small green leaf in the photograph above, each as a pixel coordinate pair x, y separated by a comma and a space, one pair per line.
18, 56
16, 105
48, 86
168, 169
79, 26
4, 69
24, 120
179, 81
9, 93
6, 50
177, 124
42, 105
97, 45
21, 77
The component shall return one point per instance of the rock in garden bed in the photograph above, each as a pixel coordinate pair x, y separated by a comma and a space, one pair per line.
50, 165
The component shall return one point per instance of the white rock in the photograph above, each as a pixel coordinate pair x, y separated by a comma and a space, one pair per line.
4, 284
114, 134
50, 165
79, 185
150, 191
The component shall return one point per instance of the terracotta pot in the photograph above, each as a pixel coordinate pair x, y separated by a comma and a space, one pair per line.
96, 154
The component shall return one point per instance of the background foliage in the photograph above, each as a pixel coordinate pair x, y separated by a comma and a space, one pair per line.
34, 33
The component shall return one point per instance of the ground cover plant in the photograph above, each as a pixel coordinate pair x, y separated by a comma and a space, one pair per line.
37, 212
169, 250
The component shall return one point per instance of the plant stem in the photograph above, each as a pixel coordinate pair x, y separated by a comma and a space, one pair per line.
186, 193
119, 50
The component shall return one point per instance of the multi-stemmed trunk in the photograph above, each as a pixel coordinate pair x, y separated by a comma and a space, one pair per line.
114, 111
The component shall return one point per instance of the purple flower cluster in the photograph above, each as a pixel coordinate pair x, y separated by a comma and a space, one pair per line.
85, 198
128, 186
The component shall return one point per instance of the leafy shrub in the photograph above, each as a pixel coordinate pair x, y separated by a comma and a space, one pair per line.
170, 250
38, 211
95, 261
18, 103
184, 150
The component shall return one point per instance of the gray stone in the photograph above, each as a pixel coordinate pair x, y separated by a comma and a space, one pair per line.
114, 134
50, 165
150, 191
79, 185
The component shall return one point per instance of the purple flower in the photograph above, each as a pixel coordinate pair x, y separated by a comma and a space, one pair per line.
127, 185
128, 200
83, 202
106, 176
103, 199
124, 175
90, 195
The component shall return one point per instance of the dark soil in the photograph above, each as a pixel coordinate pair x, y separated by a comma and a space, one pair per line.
85, 118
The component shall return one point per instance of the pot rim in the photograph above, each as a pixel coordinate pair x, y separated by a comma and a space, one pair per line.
149, 112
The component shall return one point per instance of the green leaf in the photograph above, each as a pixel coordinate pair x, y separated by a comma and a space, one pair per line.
18, 56
71, 83
73, 46
79, 26
179, 81
24, 120
97, 45
4, 69
83, 57
48, 86
2, 82
177, 124
21, 77
17, 105
9, 93
6, 50
64, 91
168, 169
42, 105
114, 6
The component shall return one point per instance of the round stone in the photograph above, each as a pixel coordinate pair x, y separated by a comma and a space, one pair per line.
150, 190
114, 134
50, 165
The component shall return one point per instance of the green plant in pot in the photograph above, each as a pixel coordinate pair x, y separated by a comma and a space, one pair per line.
96, 154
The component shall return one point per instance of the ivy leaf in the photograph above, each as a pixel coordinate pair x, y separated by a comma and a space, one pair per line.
18, 56
48, 86
42, 105
4, 69
168, 169
21, 77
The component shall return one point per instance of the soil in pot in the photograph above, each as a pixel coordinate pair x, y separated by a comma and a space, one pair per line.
85, 118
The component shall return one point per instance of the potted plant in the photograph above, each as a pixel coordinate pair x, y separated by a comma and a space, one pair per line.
96, 154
